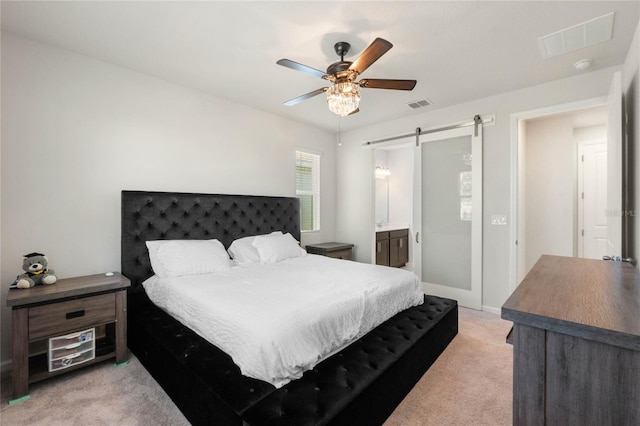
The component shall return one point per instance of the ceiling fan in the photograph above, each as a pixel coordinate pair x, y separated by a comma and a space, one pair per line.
343, 97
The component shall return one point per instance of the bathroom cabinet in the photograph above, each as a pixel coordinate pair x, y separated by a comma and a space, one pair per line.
392, 247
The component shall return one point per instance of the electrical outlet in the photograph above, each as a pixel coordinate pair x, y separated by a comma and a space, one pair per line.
498, 219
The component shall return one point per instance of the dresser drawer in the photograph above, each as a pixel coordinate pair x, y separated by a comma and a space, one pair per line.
62, 317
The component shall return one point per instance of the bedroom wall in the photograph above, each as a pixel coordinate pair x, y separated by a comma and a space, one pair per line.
354, 190
76, 131
550, 188
521, 222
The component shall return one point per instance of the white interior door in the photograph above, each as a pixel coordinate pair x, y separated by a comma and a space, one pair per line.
614, 167
592, 201
448, 214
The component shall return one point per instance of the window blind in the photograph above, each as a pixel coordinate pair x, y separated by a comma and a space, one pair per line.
308, 189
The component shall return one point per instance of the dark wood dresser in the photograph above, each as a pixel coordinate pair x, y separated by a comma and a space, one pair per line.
576, 338
58, 320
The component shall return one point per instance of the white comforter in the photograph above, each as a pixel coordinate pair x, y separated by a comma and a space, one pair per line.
278, 320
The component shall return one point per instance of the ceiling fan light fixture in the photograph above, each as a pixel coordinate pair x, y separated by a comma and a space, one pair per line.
343, 98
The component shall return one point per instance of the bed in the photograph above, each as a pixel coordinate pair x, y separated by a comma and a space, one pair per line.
360, 384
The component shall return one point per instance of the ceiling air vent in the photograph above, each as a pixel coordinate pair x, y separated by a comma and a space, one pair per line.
578, 36
419, 104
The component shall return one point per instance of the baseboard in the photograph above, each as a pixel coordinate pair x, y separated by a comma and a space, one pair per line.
491, 309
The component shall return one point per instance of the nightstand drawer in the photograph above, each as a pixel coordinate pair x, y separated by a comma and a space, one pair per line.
340, 254
63, 317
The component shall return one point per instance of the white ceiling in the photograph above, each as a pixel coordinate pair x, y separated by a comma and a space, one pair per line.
457, 50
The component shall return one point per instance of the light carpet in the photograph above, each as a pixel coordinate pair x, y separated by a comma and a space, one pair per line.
469, 384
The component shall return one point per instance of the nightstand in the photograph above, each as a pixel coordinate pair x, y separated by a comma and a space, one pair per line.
79, 320
335, 250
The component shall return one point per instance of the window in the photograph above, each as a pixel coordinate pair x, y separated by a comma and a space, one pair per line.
308, 190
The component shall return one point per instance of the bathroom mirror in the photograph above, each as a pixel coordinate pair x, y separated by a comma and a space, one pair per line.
382, 200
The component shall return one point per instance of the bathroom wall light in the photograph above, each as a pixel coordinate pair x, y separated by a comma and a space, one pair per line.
382, 172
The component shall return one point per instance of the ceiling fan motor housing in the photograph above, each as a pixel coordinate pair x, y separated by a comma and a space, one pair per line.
339, 71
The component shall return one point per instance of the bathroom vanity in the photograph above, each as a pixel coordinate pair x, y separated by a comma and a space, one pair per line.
392, 246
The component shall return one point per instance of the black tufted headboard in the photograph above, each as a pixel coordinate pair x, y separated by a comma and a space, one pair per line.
185, 216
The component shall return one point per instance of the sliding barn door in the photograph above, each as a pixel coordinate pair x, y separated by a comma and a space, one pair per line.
448, 214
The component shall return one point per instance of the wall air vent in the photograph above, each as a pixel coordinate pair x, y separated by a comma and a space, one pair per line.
586, 34
419, 104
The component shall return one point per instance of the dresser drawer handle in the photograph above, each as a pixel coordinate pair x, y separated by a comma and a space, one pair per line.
76, 314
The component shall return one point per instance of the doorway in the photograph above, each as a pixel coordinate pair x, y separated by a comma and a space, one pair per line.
446, 205
547, 192
549, 178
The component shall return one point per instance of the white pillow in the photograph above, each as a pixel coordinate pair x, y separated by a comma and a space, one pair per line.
243, 252
174, 258
274, 248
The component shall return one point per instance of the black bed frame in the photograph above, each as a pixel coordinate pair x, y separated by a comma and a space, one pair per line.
361, 385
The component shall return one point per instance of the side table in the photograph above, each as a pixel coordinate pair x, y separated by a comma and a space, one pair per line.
333, 249
88, 307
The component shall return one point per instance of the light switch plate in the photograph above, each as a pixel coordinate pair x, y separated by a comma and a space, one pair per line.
498, 219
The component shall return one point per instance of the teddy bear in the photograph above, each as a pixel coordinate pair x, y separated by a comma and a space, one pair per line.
36, 271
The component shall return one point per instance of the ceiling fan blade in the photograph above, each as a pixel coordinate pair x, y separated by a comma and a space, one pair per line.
376, 83
305, 96
299, 67
354, 111
371, 54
